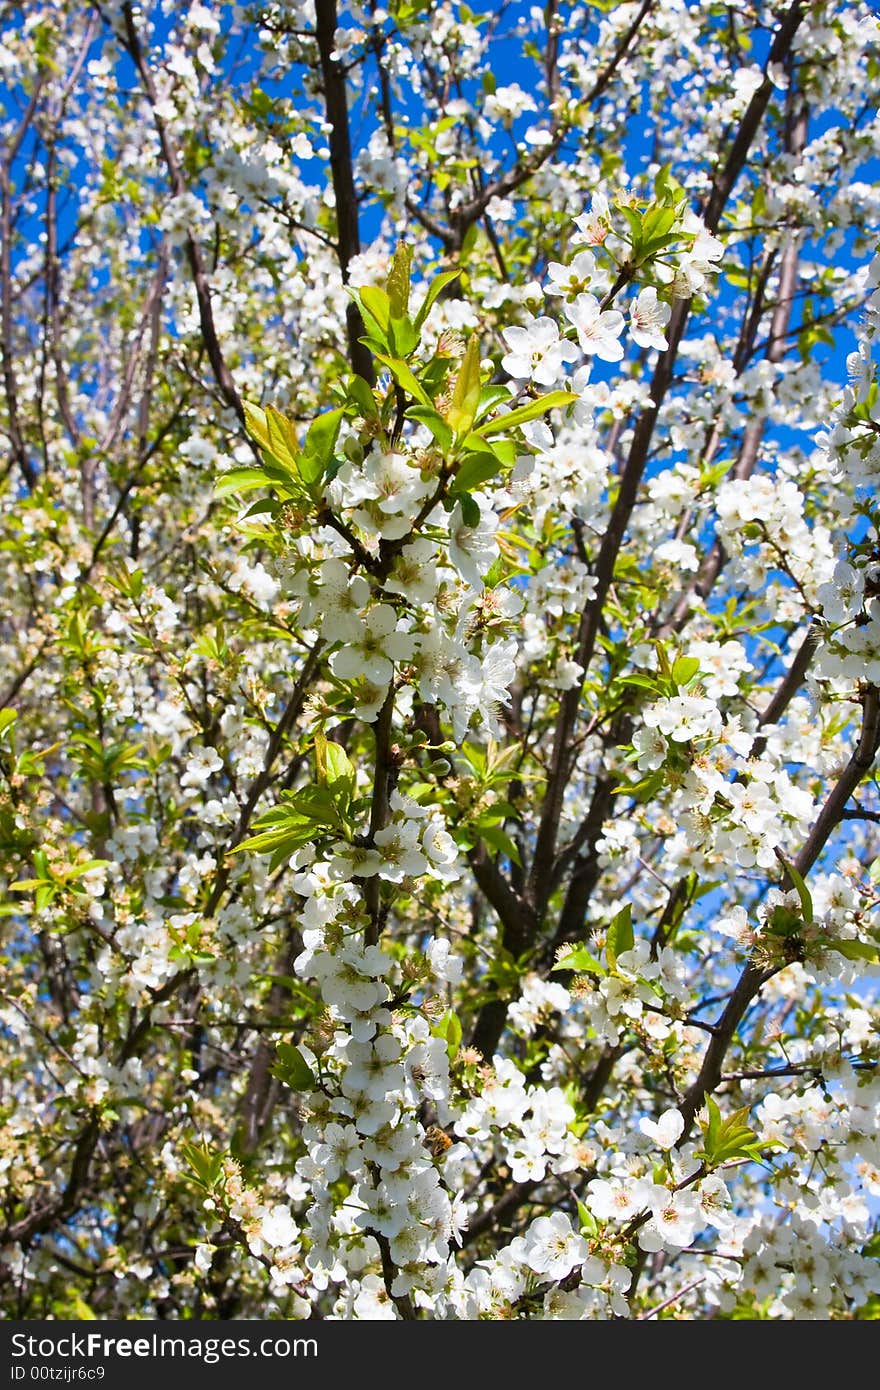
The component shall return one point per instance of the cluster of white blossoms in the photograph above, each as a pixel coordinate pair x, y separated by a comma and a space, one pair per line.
762, 524
418, 634
850, 599
268, 1227
800, 1271
540, 352
637, 990
485, 619
371, 1174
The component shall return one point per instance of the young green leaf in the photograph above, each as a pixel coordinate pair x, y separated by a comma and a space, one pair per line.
466, 392
291, 1068
398, 283
800, 886
449, 1028
256, 424
854, 950
619, 937
320, 443
581, 962
436, 287
553, 400
587, 1221
684, 669
404, 377
435, 423
283, 442
377, 304
335, 771
500, 842
238, 480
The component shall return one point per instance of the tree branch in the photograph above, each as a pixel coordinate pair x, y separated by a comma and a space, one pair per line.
342, 173
221, 371
753, 978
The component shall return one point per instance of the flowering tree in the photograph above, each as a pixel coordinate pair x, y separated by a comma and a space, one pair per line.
440, 660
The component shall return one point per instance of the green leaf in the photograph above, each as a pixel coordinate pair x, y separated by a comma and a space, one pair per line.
256, 424
449, 1028
504, 450
360, 393
553, 400
490, 396
378, 306
667, 187
620, 936
335, 771
435, 423
500, 841
437, 285
854, 950
238, 480
27, 885
45, 895
402, 337
207, 1166
292, 1069
398, 283
404, 377
466, 392
684, 670
262, 507
283, 441
588, 1223
320, 443
634, 220
476, 468
581, 961
319, 804
802, 890
279, 832
645, 789
470, 512
725, 1140
657, 223
643, 682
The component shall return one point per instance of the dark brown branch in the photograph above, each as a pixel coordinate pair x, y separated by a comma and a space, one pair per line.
262, 1089
514, 913
788, 688
861, 813
753, 978
560, 762
13, 421
194, 255
53, 260
342, 174
518, 928
384, 770
750, 445
44, 1216
554, 25
860, 763
722, 185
